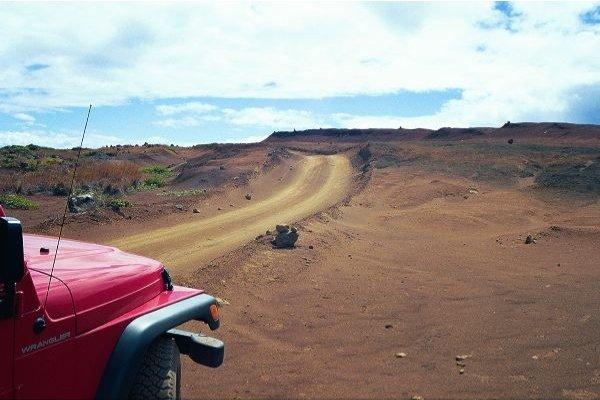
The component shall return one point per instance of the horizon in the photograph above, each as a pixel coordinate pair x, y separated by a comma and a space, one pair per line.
188, 74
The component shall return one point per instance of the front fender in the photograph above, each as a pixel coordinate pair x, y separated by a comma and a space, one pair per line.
127, 355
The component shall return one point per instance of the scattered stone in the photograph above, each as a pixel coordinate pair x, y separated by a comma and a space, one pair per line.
535, 357
179, 207
400, 355
248, 196
222, 167
510, 141
529, 239
416, 398
221, 302
461, 371
232, 205
268, 233
82, 202
311, 247
285, 238
259, 237
461, 364
462, 357
196, 211
219, 208
110, 190
555, 228
291, 167
389, 326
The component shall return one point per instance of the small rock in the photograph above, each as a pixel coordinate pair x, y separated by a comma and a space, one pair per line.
462, 357
196, 211
285, 238
311, 247
268, 233
179, 207
535, 357
529, 239
461, 371
389, 326
510, 141
400, 355
82, 202
221, 302
416, 398
219, 208
248, 196
222, 167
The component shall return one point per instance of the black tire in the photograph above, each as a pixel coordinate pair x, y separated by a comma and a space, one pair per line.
160, 372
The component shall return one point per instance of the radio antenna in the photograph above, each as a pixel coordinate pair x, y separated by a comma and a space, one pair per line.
67, 204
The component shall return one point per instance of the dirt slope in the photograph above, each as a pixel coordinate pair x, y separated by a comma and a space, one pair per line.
319, 182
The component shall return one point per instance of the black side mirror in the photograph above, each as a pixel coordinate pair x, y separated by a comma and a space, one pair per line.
11, 251
12, 263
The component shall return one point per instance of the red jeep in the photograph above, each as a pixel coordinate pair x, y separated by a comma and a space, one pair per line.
102, 326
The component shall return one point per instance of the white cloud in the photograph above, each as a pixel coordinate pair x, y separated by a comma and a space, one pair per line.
68, 140
25, 118
267, 117
271, 117
111, 53
194, 106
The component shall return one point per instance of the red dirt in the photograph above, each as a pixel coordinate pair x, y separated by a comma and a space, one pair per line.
411, 265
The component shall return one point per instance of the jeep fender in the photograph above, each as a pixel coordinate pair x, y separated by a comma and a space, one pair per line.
127, 355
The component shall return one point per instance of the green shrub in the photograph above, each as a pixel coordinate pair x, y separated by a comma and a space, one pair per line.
157, 170
17, 202
158, 175
118, 203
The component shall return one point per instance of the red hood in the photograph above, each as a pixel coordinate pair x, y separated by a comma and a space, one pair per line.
104, 282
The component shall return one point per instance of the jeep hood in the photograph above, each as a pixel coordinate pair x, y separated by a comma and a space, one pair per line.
104, 282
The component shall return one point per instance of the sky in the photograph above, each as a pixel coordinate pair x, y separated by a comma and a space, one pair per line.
190, 73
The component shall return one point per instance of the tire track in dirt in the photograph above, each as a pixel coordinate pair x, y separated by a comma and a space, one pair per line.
321, 181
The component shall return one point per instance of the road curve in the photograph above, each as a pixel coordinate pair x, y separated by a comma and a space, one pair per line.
320, 182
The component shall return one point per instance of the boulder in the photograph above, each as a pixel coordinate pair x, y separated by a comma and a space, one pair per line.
82, 202
285, 238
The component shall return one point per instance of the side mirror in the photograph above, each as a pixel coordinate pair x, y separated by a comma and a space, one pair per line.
11, 251
12, 263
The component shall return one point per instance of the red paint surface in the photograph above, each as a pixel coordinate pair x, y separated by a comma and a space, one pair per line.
94, 293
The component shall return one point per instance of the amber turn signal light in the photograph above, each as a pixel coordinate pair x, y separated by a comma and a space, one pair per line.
214, 312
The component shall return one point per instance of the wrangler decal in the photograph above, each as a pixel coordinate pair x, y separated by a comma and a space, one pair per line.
45, 342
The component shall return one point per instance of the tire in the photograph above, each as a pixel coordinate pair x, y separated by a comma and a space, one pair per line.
159, 376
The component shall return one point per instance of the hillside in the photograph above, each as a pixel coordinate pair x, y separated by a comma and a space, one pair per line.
557, 132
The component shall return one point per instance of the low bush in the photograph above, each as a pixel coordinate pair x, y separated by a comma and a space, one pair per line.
116, 203
157, 176
17, 202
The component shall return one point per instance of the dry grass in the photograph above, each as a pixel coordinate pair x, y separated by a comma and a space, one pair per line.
116, 173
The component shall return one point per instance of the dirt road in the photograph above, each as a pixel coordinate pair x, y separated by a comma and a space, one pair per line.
318, 182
